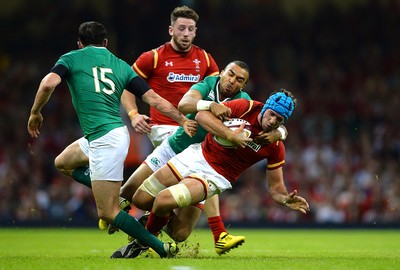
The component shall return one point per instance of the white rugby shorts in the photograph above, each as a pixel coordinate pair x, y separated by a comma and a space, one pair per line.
84, 145
191, 162
160, 156
160, 132
107, 155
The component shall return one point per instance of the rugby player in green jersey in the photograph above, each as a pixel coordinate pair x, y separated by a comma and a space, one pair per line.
96, 79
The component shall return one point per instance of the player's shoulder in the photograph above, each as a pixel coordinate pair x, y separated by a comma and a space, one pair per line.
243, 105
200, 51
212, 79
242, 94
166, 45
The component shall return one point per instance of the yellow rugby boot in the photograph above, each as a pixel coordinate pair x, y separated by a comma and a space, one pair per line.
226, 242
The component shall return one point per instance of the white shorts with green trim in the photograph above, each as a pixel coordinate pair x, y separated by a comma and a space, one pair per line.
107, 155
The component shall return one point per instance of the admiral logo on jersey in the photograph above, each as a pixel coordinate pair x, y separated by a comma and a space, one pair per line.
172, 77
254, 146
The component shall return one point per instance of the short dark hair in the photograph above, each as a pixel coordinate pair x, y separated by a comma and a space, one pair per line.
242, 65
184, 12
92, 33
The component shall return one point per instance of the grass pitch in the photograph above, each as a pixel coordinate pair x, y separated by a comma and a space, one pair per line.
312, 249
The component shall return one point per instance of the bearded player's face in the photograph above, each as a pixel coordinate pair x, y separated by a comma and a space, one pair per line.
182, 32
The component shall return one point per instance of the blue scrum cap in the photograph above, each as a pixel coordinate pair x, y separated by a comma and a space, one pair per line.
279, 103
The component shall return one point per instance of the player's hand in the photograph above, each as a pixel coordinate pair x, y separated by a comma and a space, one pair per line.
296, 202
34, 123
140, 124
220, 111
190, 127
267, 137
238, 138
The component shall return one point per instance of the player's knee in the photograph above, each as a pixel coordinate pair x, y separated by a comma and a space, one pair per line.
142, 200
59, 164
151, 186
180, 194
179, 235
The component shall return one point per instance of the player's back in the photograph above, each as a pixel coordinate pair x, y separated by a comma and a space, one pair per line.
96, 79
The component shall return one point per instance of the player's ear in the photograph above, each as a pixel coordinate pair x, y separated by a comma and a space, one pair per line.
79, 43
105, 42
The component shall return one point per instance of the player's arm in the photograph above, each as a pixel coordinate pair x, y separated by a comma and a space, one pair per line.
214, 125
272, 136
138, 121
193, 102
46, 88
166, 108
140, 88
279, 193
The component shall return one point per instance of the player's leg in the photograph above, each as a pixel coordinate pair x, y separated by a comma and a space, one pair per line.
158, 158
106, 160
223, 241
187, 192
107, 203
147, 192
73, 161
135, 180
182, 222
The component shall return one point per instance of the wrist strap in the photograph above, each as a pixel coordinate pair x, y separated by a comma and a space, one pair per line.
203, 105
132, 113
283, 133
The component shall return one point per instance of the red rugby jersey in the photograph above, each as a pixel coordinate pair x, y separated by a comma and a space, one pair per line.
231, 162
170, 74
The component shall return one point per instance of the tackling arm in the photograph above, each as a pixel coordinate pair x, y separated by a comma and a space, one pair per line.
272, 136
213, 125
193, 102
165, 107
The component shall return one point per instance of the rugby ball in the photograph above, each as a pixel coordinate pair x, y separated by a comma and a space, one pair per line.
234, 124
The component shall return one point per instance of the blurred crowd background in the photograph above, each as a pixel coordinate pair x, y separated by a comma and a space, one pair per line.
340, 58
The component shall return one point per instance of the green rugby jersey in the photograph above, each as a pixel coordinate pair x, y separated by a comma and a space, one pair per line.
96, 79
179, 141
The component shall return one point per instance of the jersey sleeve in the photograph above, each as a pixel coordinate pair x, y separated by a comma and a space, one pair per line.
213, 69
203, 87
61, 70
144, 65
277, 159
138, 86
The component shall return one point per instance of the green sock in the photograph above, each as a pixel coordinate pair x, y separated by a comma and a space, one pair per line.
132, 227
82, 176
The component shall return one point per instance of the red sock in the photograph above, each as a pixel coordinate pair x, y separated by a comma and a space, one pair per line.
155, 223
217, 226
